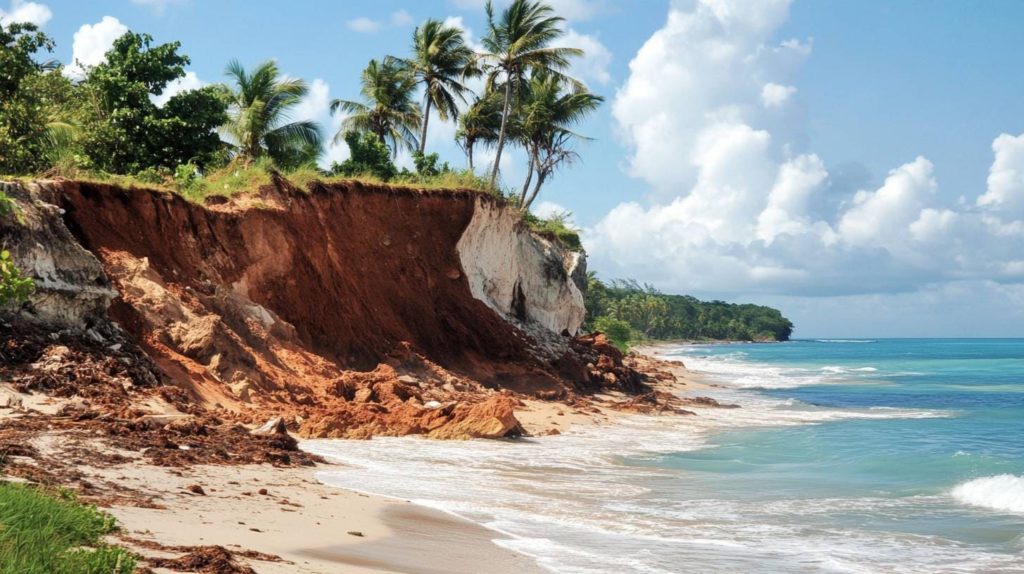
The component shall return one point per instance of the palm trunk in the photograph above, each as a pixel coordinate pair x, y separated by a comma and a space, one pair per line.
529, 175
469, 156
501, 134
423, 132
541, 176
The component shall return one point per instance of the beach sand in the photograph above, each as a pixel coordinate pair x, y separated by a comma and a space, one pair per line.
311, 527
308, 526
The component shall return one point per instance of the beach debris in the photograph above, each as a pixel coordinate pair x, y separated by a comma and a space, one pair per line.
355, 533
273, 426
196, 489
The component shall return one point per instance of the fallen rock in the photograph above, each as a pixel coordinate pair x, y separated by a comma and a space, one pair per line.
196, 489
492, 418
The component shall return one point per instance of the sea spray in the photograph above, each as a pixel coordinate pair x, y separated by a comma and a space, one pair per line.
1001, 492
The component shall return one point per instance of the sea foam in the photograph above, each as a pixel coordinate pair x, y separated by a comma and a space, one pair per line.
1001, 492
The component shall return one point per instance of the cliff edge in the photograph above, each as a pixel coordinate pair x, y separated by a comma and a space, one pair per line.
346, 310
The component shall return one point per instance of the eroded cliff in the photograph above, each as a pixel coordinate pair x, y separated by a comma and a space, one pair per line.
345, 309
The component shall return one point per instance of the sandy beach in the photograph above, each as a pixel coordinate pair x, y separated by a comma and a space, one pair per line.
278, 519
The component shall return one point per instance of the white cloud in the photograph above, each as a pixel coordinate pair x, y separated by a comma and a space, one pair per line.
786, 212
738, 207
877, 216
29, 12
593, 65
1006, 177
91, 44
363, 25
775, 95
703, 68
546, 209
190, 81
401, 18
316, 107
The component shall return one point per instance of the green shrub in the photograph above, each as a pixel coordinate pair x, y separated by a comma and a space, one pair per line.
367, 155
46, 533
618, 332
557, 228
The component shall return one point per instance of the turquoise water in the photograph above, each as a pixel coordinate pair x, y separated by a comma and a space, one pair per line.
844, 456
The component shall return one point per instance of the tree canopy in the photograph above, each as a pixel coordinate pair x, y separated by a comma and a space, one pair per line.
651, 314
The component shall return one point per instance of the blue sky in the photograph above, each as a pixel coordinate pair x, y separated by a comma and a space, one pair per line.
859, 164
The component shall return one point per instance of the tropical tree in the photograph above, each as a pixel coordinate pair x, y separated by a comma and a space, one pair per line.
549, 108
440, 62
388, 110
261, 103
479, 124
516, 43
123, 131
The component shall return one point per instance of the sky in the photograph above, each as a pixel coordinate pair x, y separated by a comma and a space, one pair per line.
858, 164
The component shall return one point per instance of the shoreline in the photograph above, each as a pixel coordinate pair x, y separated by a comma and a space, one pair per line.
278, 519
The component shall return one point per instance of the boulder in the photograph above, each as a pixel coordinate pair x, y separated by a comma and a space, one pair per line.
492, 418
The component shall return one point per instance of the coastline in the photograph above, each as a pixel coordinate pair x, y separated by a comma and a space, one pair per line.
278, 519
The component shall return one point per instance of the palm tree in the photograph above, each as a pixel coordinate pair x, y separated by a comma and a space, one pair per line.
549, 108
516, 43
479, 124
441, 60
259, 113
388, 110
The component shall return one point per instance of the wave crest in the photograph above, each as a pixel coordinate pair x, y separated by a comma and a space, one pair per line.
1001, 492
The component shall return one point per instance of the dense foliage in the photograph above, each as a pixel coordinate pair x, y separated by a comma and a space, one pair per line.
123, 131
46, 533
649, 314
23, 118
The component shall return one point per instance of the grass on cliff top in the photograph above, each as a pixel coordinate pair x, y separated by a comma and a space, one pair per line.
47, 533
236, 178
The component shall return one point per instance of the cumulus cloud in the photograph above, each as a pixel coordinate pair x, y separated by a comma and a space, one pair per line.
363, 25
1006, 176
738, 207
91, 43
27, 12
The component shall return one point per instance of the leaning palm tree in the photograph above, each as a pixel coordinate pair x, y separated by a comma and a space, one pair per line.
549, 108
388, 110
261, 102
518, 42
479, 124
441, 60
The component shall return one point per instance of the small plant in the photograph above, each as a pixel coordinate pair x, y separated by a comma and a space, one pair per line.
188, 180
14, 287
155, 175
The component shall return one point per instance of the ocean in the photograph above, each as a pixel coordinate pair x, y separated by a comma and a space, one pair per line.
846, 455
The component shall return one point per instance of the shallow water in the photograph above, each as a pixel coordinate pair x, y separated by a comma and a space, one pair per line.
846, 456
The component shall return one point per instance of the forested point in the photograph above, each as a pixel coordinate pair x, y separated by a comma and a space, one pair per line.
630, 313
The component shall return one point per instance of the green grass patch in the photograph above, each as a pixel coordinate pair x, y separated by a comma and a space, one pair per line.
51, 533
556, 228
